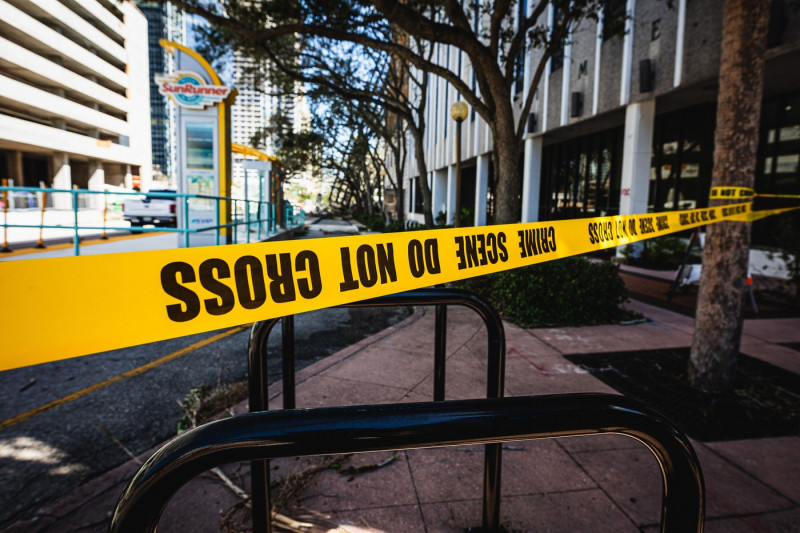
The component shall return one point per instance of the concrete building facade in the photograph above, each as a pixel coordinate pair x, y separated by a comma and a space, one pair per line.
622, 121
250, 115
74, 94
263, 112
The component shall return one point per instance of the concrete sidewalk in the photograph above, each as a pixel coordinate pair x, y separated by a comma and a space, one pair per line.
598, 483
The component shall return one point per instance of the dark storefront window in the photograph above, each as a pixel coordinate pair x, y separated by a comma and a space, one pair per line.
581, 177
467, 200
778, 170
680, 172
613, 18
417, 196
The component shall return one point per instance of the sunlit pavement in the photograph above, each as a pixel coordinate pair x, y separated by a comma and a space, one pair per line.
59, 241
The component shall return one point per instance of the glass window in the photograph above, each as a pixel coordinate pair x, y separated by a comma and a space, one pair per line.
778, 167
680, 172
417, 196
778, 172
613, 18
581, 177
557, 59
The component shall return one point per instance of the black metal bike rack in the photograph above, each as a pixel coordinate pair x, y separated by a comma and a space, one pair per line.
441, 298
270, 435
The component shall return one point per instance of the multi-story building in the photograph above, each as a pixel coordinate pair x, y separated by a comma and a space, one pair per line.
262, 112
74, 94
249, 116
164, 21
259, 105
623, 120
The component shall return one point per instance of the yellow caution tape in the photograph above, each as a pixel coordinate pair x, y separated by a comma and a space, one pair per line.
752, 216
731, 193
58, 308
737, 193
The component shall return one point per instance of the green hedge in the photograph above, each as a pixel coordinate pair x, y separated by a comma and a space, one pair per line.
567, 292
662, 253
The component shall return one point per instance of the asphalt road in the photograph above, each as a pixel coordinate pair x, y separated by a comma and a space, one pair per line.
65, 422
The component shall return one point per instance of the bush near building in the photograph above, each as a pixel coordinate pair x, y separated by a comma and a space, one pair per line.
567, 292
661, 253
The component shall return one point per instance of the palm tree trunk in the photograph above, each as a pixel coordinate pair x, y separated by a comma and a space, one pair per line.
718, 322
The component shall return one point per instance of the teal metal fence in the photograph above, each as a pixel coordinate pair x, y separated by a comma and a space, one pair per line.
71, 212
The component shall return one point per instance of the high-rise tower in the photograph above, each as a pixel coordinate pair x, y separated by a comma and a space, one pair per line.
164, 21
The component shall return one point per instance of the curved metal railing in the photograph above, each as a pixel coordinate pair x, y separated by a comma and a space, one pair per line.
270, 435
441, 298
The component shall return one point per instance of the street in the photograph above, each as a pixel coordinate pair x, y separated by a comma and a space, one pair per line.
65, 422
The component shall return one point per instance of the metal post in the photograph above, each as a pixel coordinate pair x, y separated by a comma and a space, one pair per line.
260, 202
287, 336
258, 383
5, 249
40, 244
247, 218
234, 231
260, 210
186, 221
458, 111
457, 214
219, 222
440, 353
105, 214
77, 238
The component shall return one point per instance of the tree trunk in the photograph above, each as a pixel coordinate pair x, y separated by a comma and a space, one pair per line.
508, 208
399, 193
422, 172
718, 322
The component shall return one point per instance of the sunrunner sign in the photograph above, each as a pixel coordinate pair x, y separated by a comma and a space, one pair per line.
189, 90
203, 140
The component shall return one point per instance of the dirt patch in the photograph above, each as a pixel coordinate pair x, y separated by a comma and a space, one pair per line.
764, 403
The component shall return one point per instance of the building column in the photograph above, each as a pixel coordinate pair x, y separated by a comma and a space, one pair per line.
438, 192
97, 178
62, 179
638, 146
127, 181
531, 179
481, 189
15, 174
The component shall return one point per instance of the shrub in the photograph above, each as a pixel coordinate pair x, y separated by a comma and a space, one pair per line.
567, 292
372, 222
665, 252
394, 226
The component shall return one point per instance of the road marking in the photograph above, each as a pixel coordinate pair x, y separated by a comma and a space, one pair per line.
7, 423
63, 246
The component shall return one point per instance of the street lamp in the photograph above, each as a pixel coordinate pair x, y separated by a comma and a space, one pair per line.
458, 111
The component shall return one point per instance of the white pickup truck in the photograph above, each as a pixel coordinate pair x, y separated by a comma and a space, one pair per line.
154, 207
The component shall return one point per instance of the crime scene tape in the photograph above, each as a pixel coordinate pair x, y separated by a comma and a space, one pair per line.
65, 307
738, 193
